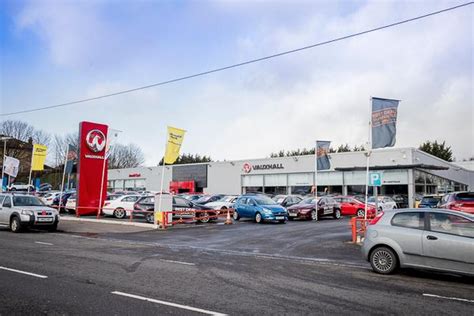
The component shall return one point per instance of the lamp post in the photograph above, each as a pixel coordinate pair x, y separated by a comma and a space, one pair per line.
4, 138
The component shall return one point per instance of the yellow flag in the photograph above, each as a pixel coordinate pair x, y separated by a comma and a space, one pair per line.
175, 139
39, 156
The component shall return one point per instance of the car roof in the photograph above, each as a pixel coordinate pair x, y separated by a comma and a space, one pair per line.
429, 210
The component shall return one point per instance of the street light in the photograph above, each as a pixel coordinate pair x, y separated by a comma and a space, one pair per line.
4, 138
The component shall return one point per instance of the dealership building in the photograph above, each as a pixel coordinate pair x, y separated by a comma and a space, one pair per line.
405, 171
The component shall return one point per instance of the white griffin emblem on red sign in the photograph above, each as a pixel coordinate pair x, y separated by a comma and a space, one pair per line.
95, 140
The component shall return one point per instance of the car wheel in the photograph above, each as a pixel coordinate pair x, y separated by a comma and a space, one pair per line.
150, 218
383, 260
258, 218
360, 213
337, 213
204, 217
119, 213
236, 215
15, 224
314, 215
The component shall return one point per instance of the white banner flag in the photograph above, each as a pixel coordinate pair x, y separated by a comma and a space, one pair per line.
11, 166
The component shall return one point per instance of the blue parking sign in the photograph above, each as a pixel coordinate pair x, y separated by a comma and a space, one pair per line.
375, 179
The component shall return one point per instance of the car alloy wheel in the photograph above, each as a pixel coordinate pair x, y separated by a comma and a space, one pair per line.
15, 225
236, 215
360, 213
258, 218
119, 213
383, 260
150, 218
204, 217
314, 215
337, 213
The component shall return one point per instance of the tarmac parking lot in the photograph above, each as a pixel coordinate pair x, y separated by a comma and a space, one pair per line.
245, 268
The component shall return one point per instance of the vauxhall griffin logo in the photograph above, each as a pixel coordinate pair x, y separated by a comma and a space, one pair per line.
247, 167
95, 140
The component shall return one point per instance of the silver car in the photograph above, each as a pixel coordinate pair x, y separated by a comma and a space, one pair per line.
432, 239
21, 211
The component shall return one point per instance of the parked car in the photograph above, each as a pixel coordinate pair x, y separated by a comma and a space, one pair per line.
44, 187
429, 201
259, 207
121, 206
458, 201
145, 206
354, 207
111, 197
433, 239
401, 200
287, 200
49, 197
203, 200
383, 202
224, 203
20, 186
71, 203
61, 204
24, 211
191, 197
306, 209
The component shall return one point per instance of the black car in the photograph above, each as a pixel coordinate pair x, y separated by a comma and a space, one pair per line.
145, 207
286, 200
401, 200
429, 201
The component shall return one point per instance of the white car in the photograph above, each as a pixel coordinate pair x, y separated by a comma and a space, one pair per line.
120, 207
383, 203
224, 203
49, 197
71, 203
20, 186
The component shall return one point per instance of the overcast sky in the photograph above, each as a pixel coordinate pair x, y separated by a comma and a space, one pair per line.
59, 51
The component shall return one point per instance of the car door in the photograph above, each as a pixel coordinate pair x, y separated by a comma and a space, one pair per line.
6, 210
240, 206
448, 244
128, 202
407, 231
2, 211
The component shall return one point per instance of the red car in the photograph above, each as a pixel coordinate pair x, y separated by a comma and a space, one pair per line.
458, 201
354, 207
306, 209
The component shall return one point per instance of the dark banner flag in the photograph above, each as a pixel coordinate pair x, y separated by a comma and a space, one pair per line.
322, 159
384, 122
71, 158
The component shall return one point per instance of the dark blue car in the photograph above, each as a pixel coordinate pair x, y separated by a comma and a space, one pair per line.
260, 208
429, 201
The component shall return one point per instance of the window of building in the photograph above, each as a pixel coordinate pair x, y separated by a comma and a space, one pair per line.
301, 189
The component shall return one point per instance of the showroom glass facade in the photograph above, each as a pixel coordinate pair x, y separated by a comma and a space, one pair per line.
126, 184
426, 183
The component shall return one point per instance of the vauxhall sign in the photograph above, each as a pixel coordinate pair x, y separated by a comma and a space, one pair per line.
247, 167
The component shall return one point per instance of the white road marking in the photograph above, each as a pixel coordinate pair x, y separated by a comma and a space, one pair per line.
24, 272
449, 298
179, 262
189, 308
43, 243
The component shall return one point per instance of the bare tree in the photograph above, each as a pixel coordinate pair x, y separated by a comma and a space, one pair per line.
125, 156
24, 132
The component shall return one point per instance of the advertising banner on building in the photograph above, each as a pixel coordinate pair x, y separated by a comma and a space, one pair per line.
11, 166
92, 143
173, 145
384, 122
39, 157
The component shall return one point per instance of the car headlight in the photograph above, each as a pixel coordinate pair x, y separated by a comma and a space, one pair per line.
267, 211
27, 212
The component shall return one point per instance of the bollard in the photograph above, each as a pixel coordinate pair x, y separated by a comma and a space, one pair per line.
354, 229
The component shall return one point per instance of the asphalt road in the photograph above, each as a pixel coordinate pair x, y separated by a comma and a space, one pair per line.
243, 269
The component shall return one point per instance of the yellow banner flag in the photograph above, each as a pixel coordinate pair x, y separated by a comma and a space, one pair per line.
39, 156
175, 139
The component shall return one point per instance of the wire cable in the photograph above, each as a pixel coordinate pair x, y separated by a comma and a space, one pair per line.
238, 64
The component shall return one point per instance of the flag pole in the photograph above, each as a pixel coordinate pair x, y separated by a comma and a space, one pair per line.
31, 168
3, 162
155, 218
316, 178
369, 151
107, 145
62, 180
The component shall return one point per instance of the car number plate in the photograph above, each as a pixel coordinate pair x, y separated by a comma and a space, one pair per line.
292, 215
45, 219
279, 217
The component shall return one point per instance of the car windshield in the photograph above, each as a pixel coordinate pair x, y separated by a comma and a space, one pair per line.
26, 201
468, 196
311, 200
430, 200
264, 200
227, 198
203, 199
